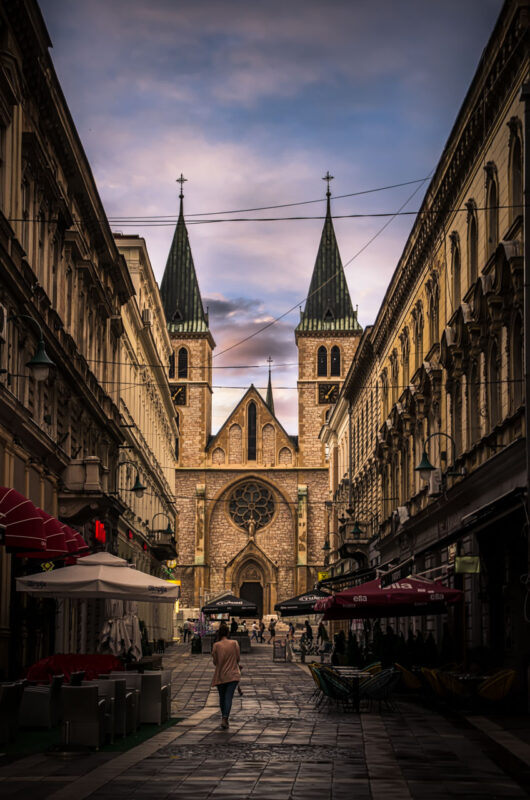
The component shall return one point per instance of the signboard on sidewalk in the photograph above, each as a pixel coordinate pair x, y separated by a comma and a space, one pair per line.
279, 650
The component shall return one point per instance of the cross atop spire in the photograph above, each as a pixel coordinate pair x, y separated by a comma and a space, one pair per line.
327, 177
182, 180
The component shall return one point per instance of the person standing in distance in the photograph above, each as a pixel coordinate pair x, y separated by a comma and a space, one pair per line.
225, 656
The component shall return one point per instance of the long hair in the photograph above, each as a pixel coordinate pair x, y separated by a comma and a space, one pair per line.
223, 631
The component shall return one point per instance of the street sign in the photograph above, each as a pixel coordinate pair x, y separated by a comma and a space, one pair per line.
324, 575
397, 574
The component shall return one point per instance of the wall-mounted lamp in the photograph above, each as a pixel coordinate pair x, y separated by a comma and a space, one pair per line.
138, 488
425, 468
40, 364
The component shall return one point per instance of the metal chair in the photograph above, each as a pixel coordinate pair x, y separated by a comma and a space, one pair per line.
41, 705
133, 684
166, 682
379, 688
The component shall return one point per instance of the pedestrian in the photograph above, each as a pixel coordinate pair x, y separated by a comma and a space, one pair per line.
322, 634
272, 630
308, 632
254, 634
233, 626
186, 630
291, 632
261, 630
225, 655
244, 626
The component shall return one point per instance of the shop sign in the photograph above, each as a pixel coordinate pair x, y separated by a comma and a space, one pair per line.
100, 534
47, 566
324, 575
398, 574
467, 564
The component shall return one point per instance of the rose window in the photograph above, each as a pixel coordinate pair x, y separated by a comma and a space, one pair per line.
251, 506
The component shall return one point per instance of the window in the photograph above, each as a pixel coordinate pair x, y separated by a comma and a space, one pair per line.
335, 361
322, 362
172, 365
433, 319
251, 504
25, 214
473, 395
183, 363
472, 240
251, 432
492, 208
494, 387
517, 374
456, 271
516, 179
457, 416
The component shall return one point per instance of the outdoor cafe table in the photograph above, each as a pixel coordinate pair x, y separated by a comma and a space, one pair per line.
353, 677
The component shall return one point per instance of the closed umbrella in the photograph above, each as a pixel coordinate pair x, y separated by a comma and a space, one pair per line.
132, 625
100, 575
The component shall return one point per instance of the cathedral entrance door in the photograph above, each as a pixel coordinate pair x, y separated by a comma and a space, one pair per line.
253, 592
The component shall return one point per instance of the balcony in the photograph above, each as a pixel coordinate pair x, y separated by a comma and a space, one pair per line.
163, 546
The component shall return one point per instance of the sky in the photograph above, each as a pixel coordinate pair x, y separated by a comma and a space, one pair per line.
254, 102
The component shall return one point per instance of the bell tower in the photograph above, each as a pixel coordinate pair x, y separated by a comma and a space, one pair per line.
190, 369
327, 337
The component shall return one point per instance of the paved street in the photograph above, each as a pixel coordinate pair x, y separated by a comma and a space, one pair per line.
278, 746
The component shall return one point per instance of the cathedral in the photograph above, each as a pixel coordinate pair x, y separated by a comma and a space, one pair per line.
252, 498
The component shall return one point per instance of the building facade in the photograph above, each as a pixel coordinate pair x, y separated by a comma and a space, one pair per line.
447, 375
252, 498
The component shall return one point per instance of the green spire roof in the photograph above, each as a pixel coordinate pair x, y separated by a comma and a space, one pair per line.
179, 289
328, 306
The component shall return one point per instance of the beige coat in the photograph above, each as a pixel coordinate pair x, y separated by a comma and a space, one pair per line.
225, 656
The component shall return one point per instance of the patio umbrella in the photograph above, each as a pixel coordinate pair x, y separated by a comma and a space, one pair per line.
409, 597
114, 635
100, 575
301, 604
230, 604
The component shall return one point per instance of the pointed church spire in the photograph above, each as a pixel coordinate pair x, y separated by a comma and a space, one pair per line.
270, 399
179, 290
328, 305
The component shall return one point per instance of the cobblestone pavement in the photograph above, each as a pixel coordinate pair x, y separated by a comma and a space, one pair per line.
278, 747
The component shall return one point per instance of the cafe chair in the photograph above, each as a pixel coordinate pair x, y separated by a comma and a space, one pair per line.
84, 716
497, 686
10, 700
166, 682
77, 678
380, 687
41, 705
133, 688
408, 679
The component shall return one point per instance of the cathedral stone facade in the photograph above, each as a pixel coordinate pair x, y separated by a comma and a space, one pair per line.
251, 498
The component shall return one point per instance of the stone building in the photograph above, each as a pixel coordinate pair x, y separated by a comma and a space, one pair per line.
445, 364
251, 497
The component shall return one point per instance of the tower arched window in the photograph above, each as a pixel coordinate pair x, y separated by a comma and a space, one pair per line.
492, 209
251, 432
183, 363
335, 361
322, 362
472, 241
171, 366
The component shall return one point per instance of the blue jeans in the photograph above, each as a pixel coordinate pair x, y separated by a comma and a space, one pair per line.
226, 695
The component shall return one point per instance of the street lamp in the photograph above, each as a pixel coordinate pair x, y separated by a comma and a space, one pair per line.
168, 530
40, 363
425, 468
138, 489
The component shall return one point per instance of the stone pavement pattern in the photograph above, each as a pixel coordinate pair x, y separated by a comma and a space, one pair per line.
278, 747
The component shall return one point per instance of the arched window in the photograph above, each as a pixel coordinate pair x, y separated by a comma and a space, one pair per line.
494, 387
473, 400
322, 362
335, 360
433, 319
472, 241
517, 363
183, 363
251, 432
172, 365
516, 179
457, 276
456, 416
492, 209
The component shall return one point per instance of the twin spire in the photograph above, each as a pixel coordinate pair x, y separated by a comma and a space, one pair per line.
328, 304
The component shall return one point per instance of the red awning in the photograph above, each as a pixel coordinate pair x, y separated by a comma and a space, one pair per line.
409, 597
61, 540
24, 525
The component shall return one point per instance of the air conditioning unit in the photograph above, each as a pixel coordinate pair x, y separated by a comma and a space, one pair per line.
146, 316
435, 483
3, 323
403, 514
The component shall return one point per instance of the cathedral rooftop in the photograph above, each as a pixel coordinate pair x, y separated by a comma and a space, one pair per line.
328, 305
179, 290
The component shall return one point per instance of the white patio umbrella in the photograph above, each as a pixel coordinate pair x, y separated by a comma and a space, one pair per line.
102, 576
114, 635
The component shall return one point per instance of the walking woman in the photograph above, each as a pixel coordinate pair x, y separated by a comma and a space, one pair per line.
225, 655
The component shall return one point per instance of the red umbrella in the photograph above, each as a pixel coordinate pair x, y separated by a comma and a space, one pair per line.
408, 597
